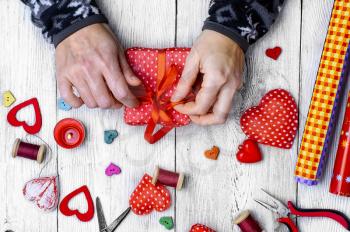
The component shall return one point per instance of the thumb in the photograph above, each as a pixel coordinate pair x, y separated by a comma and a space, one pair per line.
188, 78
129, 75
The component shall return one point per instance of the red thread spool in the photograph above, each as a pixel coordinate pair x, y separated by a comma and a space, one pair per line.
168, 178
247, 223
28, 150
69, 133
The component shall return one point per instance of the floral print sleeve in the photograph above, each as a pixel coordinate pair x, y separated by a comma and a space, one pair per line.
60, 18
244, 21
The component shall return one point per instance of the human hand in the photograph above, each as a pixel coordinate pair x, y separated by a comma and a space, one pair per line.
221, 62
92, 61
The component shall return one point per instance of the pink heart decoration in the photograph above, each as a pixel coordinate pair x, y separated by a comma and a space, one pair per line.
112, 169
43, 191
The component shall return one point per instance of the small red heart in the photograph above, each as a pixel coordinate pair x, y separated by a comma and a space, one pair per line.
274, 53
249, 152
84, 217
274, 121
201, 228
147, 197
12, 116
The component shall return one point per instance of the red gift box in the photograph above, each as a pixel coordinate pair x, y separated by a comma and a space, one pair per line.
159, 70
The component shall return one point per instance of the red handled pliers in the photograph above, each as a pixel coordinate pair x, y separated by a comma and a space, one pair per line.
285, 212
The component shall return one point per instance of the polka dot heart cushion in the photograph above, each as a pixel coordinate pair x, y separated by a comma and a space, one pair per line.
148, 197
274, 121
201, 228
143, 62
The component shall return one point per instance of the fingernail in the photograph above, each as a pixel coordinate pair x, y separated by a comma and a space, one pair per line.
135, 78
175, 97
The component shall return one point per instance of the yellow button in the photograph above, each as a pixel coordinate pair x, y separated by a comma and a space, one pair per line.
8, 99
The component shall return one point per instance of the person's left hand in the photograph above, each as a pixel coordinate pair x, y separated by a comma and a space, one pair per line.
221, 61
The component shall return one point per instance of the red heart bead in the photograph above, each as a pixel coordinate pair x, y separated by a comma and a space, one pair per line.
274, 53
31, 129
249, 152
147, 197
274, 121
84, 217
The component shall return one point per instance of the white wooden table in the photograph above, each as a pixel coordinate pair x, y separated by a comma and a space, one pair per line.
216, 190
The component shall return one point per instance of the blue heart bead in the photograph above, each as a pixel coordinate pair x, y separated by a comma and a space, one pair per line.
63, 105
110, 135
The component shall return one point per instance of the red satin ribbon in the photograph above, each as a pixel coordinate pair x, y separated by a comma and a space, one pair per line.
166, 78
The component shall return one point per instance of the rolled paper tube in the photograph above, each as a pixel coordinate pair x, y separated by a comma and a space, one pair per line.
168, 178
327, 94
247, 223
28, 150
340, 182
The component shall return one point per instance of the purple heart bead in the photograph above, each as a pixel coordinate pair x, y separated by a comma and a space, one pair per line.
112, 169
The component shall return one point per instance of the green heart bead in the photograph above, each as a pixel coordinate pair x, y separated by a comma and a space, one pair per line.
167, 222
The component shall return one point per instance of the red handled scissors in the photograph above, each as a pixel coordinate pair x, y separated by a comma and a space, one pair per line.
285, 212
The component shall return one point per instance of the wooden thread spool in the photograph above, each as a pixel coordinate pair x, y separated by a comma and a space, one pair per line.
168, 178
247, 223
28, 150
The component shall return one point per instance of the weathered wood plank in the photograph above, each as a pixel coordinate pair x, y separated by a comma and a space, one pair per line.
217, 190
137, 23
27, 69
316, 15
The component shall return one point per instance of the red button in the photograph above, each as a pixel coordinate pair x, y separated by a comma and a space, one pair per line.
69, 133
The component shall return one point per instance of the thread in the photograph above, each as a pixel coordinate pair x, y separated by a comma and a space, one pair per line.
247, 223
28, 150
168, 178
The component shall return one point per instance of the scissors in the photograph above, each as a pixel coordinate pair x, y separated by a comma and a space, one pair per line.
285, 212
102, 221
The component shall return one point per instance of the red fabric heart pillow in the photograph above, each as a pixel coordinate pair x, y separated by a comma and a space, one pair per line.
274, 121
148, 197
201, 228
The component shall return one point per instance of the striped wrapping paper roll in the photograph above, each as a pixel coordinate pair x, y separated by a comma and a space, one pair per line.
326, 96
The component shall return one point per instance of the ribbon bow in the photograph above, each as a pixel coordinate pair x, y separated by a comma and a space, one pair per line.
160, 103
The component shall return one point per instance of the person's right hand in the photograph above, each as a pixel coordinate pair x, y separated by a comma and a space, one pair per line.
92, 61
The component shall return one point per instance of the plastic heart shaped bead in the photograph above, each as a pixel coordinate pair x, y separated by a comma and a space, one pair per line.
167, 222
110, 135
63, 105
212, 153
249, 152
8, 99
112, 169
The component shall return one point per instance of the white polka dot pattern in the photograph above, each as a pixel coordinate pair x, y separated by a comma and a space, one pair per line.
201, 228
143, 62
147, 197
274, 121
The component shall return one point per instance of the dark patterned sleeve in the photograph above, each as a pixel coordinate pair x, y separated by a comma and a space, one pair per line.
244, 21
60, 18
